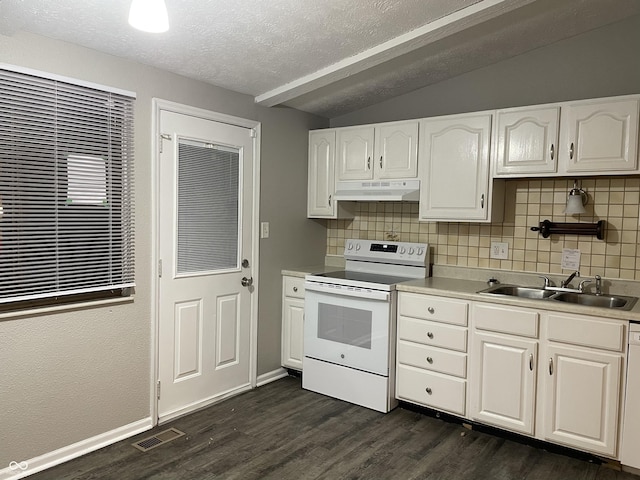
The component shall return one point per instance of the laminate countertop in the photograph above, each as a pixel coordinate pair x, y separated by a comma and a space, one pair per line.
468, 290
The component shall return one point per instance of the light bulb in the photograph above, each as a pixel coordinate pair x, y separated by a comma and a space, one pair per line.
149, 16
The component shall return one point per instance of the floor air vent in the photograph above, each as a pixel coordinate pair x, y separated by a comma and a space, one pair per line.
158, 439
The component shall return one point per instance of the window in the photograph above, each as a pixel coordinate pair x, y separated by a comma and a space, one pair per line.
66, 189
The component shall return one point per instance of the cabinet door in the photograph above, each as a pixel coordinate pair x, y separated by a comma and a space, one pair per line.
503, 380
292, 332
355, 153
321, 185
396, 150
582, 394
454, 166
600, 137
527, 141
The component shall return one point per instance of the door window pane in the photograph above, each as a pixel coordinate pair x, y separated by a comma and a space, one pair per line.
208, 179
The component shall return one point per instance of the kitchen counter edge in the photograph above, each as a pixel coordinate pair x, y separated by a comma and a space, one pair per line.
467, 290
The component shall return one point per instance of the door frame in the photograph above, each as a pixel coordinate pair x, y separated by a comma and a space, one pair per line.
158, 106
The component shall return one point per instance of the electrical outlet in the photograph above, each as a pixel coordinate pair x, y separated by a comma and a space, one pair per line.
264, 229
499, 250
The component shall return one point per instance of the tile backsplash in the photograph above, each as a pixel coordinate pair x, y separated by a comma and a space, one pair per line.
527, 202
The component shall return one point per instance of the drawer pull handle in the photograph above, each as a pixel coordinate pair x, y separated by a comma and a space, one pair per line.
531, 362
430, 359
295, 289
430, 334
431, 310
428, 390
551, 366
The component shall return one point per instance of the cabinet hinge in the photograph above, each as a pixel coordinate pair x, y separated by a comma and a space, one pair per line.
164, 136
160, 268
158, 389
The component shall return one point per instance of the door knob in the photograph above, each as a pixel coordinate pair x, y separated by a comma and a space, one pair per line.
246, 282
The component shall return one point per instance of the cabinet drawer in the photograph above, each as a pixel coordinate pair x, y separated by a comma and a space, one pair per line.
431, 389
432, 333
294, 287
438, 309
513, 320
432, 358
589, 332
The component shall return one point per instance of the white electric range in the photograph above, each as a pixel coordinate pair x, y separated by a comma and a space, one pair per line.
350, 322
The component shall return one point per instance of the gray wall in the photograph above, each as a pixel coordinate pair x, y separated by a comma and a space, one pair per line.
600, 63
68, 376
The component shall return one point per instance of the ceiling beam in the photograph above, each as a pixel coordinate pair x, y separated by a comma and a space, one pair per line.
432, 32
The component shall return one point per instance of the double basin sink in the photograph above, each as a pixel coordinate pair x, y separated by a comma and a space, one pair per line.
617, 302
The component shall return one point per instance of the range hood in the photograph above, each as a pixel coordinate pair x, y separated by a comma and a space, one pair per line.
378, 191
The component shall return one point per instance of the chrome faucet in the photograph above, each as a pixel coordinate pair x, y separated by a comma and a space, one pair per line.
568, 280
598, 285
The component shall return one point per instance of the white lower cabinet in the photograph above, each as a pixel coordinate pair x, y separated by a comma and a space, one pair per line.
554, 376
432, 352
582, 384
292, 322
503, 367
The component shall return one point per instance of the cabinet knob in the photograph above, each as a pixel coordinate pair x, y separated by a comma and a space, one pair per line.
430, 359
431, 310
295, 289
428, 390
552, 152
430, 334
571, 151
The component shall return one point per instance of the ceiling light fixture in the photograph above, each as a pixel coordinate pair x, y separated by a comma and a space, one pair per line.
576, 200
149, 16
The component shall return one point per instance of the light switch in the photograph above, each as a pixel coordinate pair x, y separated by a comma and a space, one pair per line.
264, 229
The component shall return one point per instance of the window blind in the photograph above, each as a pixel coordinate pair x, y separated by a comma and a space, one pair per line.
208, 203
66, 189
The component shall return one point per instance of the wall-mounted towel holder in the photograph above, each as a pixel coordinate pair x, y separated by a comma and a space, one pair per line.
547, 227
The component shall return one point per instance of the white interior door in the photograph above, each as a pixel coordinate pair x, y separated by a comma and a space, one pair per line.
205, 229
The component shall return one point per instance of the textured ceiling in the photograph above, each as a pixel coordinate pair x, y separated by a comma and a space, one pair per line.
325, 56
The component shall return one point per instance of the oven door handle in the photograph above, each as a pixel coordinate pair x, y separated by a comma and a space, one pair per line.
347, 292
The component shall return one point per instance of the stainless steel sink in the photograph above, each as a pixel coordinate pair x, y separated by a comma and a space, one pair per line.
522, 292
618, 302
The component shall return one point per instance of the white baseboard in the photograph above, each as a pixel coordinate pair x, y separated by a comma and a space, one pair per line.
271, 376
24, 468
180, 412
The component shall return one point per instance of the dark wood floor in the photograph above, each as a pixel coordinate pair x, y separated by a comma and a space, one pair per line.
280, 431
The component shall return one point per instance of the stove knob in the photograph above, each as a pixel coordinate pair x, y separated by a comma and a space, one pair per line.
402, 250
350, 246
411, 251
357, 246
420, 251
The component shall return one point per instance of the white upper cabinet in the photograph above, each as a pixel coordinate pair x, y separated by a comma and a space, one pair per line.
600, 137
591, 137
526, 140
384, 151
454, 166
397, 150
355, 153
321, 186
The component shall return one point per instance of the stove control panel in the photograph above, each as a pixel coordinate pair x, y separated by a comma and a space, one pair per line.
400, 253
